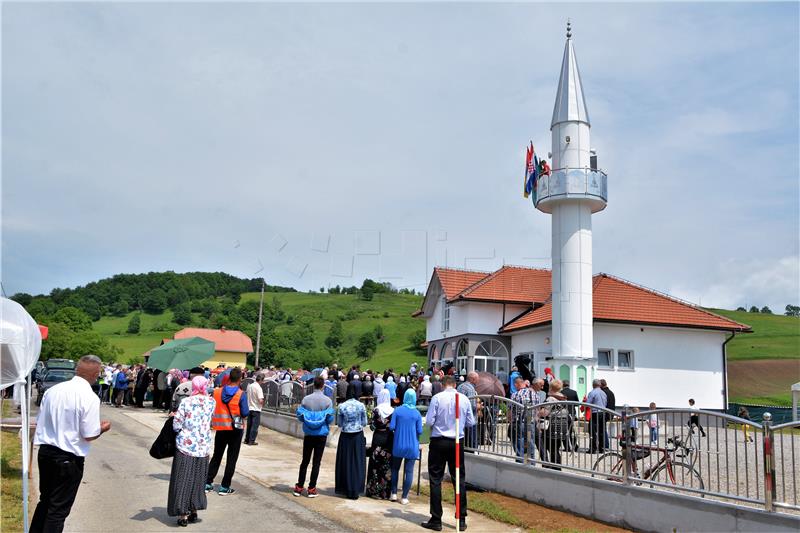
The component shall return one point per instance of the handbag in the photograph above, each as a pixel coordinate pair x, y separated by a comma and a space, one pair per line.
238, 423
164, 445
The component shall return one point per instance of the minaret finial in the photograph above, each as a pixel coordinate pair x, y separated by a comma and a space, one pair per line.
569, 29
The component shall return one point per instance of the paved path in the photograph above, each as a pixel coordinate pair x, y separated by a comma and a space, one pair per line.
125, 490
273, 464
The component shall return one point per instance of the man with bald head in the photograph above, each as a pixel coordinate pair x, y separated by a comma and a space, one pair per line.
69, 419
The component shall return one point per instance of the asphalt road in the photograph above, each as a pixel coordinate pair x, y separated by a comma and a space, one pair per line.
124, 489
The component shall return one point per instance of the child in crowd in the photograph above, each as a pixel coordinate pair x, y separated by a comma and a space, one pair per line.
634, 423
653, 423
694, 419
745, 414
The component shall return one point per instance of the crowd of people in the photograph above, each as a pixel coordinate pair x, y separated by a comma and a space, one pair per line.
214, 411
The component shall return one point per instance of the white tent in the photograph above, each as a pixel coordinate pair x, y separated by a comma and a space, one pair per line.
20, 344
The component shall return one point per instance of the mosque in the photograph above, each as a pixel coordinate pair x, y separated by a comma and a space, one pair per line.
650, 347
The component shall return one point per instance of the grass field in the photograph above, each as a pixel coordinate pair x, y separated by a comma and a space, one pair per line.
10, 475
153, 329
391, 311
773, 337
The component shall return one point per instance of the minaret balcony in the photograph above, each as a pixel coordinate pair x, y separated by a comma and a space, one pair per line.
571, 184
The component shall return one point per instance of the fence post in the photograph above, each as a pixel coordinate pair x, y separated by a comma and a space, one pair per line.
526, 442
626, 437
769, 463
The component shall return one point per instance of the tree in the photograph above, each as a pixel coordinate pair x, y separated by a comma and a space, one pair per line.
378, 332
182, 314
120, 308
416, 339
766, 310
322, 290
335, 337
366, 345
740, 308
155, 301
792, 310
135, 323
74, 318
753, 309
275, 311
22, 298
367, 293
249, 310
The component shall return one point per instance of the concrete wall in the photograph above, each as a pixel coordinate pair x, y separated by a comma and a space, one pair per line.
289, 425
636, 508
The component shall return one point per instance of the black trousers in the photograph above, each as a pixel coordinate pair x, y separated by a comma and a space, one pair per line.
60, 475
156, 398
311, 444
441, 452
253, 421
232, 440
597, 432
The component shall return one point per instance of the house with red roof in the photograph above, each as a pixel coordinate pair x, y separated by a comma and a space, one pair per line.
649, 346
231, 347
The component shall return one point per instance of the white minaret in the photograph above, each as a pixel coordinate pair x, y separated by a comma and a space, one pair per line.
574, 190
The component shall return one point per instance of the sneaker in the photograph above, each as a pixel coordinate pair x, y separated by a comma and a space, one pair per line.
224, 491
404, 501
298, 490
209, 487
312, 492
393, 498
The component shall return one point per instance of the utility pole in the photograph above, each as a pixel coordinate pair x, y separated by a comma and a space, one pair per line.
260, 311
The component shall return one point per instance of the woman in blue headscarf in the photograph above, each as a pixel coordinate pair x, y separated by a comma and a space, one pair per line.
407, 426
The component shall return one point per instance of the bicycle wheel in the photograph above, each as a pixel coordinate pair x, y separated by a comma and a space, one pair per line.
610, 465
681, 475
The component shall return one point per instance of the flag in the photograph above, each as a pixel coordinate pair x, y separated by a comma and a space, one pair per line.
530, 171
535, 176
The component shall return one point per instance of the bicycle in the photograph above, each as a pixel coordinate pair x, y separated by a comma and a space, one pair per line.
666, 470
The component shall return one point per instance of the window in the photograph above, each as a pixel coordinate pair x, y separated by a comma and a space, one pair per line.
491, 356
604, 359
625, 359
447, 353
445, 315
434, 353
463, 346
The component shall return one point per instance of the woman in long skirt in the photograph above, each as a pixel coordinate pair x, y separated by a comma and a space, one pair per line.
379, 472
351, 453
193, 445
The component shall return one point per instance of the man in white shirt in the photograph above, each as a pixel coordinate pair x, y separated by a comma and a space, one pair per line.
69, 419
441, 418
255, 401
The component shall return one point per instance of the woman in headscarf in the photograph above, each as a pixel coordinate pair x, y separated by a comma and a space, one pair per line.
425, 391
351, 453
391, 386
407, 426
193, 443
380, 453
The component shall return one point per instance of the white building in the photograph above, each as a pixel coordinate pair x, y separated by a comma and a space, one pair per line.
648, 346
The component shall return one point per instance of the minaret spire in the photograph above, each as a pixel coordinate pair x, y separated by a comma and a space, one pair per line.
570, 103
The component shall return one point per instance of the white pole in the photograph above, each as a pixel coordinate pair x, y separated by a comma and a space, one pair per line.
260, 311
458, 469
25, 435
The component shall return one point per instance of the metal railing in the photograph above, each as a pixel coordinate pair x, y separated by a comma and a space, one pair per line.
702, 453
564, 182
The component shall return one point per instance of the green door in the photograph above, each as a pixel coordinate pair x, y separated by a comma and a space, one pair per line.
582, 385
563, 372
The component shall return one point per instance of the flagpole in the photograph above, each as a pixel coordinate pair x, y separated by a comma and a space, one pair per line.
258, 332
458, 468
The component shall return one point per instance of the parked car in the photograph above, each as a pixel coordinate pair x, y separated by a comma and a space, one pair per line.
50, 378
50, 364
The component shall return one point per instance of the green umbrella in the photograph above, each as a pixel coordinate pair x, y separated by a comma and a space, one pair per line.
182, 354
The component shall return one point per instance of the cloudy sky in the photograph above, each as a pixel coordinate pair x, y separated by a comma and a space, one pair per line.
319, 144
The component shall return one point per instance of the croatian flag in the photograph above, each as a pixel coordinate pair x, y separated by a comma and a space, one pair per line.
530, 172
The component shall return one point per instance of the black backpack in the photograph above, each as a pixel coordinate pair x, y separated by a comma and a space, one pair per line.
164, 445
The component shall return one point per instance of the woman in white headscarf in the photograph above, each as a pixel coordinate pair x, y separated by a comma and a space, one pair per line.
379, 471
425, 391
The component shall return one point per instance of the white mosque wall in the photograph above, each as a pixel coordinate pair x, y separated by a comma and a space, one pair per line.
470, 317
671, 365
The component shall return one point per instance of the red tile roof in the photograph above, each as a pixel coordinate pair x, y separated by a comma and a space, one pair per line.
616, 300
225, 340
454, 281
510, 284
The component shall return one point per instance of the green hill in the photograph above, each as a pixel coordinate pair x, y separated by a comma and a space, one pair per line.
392, 312
773, 337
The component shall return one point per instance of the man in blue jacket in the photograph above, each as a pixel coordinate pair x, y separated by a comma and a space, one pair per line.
316, 414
